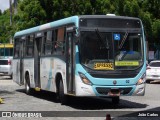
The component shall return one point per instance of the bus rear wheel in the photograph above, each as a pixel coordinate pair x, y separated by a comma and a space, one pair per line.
115, 100
62, 96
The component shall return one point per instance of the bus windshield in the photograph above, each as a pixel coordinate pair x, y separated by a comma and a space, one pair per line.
101, 50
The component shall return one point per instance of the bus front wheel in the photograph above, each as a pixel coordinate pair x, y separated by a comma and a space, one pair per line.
62, 96
115, 100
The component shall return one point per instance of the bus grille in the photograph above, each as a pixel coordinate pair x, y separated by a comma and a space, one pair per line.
104, 91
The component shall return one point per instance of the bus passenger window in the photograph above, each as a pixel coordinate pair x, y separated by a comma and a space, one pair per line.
48, 43
59, 44
16, 48
29, 45
16, 54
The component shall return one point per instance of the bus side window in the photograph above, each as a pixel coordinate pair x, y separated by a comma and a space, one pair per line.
55, 41
29, 45
59, 43
24, 51
44, 43
48, 43
16, 48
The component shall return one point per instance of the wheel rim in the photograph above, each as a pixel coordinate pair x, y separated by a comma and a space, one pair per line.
27, 85
27, 88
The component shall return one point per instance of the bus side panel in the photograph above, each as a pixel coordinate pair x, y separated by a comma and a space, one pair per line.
46, 73
16, 70
48, 70
29, 67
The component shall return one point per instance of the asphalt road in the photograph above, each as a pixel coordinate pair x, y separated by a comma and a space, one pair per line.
16, 101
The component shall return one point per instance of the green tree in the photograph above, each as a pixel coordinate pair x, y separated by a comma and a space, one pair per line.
147, 21
36, 12
4, 23
152, 6
127, 10
47, 6
30, 14
156, 30
135, 9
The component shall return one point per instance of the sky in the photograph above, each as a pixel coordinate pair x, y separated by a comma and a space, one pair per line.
4, 4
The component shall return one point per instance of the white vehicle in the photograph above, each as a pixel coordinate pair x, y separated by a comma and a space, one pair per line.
153, 71
88, 55
6, 56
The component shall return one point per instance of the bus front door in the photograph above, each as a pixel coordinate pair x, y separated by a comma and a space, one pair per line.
37, 51
70, 63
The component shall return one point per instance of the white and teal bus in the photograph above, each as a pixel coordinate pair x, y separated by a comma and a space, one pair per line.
88, 55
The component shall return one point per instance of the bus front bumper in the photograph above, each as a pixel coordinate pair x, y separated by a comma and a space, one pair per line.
94, 90
134, 90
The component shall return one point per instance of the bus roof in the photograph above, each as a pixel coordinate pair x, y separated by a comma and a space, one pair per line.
108, 16
73, 19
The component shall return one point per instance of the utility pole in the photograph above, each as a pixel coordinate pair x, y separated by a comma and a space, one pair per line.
10, 5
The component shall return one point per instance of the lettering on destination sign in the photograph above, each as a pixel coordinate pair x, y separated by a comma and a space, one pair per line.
103, 66
126, 63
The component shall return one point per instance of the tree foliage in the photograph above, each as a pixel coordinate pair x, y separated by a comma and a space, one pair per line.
36, 12
30, 13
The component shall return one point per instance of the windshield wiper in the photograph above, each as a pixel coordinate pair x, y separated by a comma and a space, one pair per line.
102, 41
106, 46
123, 40
100, 38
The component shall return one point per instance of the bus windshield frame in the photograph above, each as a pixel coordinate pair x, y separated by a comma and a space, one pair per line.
103, 51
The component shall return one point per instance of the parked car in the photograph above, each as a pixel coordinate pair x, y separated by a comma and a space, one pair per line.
153, 71
6, 66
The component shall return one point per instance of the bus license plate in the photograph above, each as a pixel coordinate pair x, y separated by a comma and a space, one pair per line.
103, 66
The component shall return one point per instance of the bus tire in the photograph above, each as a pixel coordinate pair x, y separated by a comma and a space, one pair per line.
62, 96
28, 90
115, 100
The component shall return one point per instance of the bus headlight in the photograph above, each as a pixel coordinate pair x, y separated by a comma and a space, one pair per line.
84, 79
142, 79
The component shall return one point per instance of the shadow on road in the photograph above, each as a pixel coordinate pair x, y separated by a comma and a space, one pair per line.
87, 103
4, 92
153, 81
100, 104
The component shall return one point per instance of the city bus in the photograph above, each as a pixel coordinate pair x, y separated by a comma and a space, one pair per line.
83, 56
6, 56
